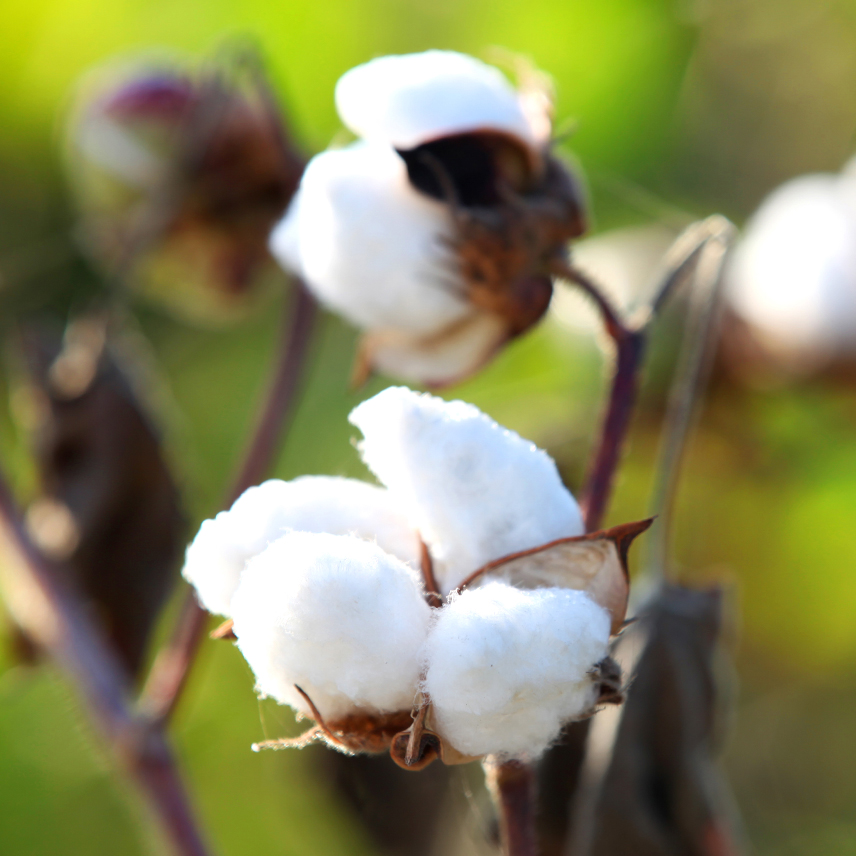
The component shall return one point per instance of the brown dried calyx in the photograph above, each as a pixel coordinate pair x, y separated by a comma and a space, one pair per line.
515, 210
192, 231
595, 563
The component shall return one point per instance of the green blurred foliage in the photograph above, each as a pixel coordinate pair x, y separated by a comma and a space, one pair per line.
680, 106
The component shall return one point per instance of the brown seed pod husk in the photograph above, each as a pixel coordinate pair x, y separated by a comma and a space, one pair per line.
595, 563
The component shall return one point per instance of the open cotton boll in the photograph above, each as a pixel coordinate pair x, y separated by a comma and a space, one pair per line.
793, 276
369, 245
335, 615
506, 668
475, 490
408, 100
216, 557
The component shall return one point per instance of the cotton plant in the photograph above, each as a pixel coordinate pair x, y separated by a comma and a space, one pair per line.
437, 230
456, 611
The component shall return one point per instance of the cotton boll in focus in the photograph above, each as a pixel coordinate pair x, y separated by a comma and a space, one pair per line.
507, 668
216, 557
335, 615
793, 276
475, 490
407, 100
369, 245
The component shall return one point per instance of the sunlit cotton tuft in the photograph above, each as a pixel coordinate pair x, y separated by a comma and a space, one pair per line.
336, 616
793, 276
370, 246
410, 99
217, 556
475, 490
506, 668
437, 231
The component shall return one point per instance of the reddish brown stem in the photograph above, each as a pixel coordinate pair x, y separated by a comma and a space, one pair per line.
512, 785
282, 394
630, 347
172, 665
52, 617
594, 500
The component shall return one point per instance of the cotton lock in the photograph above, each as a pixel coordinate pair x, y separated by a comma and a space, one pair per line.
505, 668
216, 558
336, 616
475, 490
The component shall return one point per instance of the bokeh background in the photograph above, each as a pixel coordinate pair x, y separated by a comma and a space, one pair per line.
675, 109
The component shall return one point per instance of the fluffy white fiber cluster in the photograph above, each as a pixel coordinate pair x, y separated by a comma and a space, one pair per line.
338, 617
369, 244
216, 558
793, 276
343, 614
475, 490
506, 668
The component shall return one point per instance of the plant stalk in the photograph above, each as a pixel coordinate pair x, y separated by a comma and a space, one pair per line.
49, 613
512, 786
171, 668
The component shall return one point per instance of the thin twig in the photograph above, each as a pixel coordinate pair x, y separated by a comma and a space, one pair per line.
512, 786
282, 395
629, 347
597, 492
172, 665
681, 257
629, 337
52, 617
690, 375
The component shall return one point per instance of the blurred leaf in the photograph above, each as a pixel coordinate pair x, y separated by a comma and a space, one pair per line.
662, 794
109, 508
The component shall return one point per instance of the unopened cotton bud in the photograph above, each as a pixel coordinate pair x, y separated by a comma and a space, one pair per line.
216, 558
336, 616
475, 490
506, 668
179, 174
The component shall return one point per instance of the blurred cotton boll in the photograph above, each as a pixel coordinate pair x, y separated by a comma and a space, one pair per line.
437, 232
218, 554
475, 490
406, 101
179, 172
505, 668
793, 276
338, 617
372, 248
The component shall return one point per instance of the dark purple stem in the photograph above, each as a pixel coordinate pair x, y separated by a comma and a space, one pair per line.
52, 617
630, 346
282, 394
172, 665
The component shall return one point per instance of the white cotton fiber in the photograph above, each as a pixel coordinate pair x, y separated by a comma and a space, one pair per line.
408, 100
506, 668
216, 557
475, 490
793, 275
338, 617
369, 245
